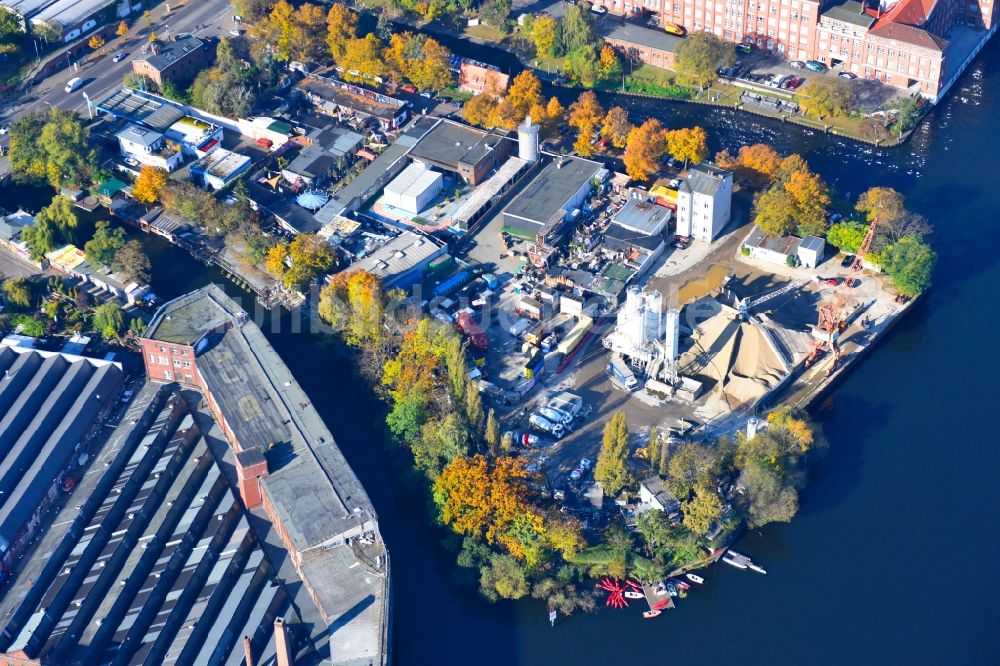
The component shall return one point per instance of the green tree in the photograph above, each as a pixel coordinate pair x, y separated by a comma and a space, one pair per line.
50, 146
440, 442
492, 436
10, 26
474, 406
41, 238
611, 469
910, 263
495, 13
847, 236
19, 293
132, 262
702, 510
691, 465
504, 578
583, 65
577, 30
769, 498
823, 96
109, 320
907, 114
699, 56
104, 243
656, 533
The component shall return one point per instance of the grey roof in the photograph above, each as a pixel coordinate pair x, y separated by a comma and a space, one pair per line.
704, 178
283, 206
365, 184
619, 235
449, 144
612, 27
12, 225
134, 106
814, 243
849, 11
169, 53
312, 162
657, 489
140, 135
641, 215
349, 96
781, 244
542, 201
401, 254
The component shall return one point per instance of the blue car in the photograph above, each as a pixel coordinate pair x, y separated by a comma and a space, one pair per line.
816, 66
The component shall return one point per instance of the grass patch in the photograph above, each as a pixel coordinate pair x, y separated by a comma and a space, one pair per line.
458, 95
485, 32
593, 555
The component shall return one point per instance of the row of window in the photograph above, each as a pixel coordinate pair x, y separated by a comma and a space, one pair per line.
160, 359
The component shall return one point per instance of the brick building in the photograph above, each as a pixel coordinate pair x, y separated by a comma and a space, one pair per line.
179, 61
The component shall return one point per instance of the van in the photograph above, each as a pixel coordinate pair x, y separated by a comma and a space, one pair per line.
73, 84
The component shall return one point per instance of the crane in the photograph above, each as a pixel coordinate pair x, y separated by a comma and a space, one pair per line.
832, 314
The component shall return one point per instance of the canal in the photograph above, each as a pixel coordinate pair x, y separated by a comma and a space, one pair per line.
890, 559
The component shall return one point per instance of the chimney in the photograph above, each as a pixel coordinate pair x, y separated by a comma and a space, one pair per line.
251, 467
282, 643
248, 650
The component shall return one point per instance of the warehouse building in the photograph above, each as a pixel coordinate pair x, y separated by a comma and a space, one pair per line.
71, 17
552, 197
414, 189
470, 153
402, 261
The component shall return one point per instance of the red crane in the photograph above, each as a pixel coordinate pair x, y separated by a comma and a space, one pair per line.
833, 315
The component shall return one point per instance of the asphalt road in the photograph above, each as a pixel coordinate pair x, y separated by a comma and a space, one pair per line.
103, 75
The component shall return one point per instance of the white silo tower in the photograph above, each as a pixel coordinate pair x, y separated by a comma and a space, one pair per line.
672, 340
527, 141
753, 425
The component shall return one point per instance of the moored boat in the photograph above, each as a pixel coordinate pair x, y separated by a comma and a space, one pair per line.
651, 614
695, 578
681, 585
732, 561
756, 567
632, 594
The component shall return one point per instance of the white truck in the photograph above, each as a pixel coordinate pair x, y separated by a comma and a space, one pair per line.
541, 423
621, 375
567, 402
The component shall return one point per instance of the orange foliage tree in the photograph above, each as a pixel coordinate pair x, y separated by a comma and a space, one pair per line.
585, 115
687, 145
753, 166
645, 146
149, 185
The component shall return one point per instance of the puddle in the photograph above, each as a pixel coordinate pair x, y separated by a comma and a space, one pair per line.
697, 288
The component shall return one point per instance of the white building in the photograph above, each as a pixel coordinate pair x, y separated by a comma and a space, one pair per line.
414, 189
811, 251
196, 137
704, 202
149, 147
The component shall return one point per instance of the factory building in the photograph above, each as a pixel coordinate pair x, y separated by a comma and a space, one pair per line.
550, 199
414, 189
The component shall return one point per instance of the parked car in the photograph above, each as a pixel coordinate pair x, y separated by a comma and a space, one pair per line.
586, 464
674, 29
121, 55
68, 484
131, 161
797, 64
848, 260
408, 88
4, 129
848, 75
796, 82
681, 243
597, 9
816, 66
576, 474
744, 49
832, 281
426, 94
235, 33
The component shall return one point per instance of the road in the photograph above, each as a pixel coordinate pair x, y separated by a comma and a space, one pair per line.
202, 18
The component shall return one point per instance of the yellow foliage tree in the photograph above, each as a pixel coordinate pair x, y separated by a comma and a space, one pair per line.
95, 42
122, 29
543, 34
149, 184
341, 27
687, 145
645, 146
616, 126
275, 262
525, 91
585, 115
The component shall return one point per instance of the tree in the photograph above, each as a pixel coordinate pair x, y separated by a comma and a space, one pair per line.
103, 244
882, 205
847, 236
474, 406
585, 115
9, 24
492, 436
654, 530
583, 65
147, 16
699, 56
577, 30
41, 238
692, 465
95, 42
310, 32
616, 126
364, 56
702, 510
495, 13
109, 319
907, 114
769, 499
774, 212
132, 262
432, 70
54, 225
687, 145
503, 578
755, 166
544, 31
525, 92
645, 146
812, 197
51, 146
910, 263
479, 109
122, 29
440, 442
19, 293
342, 27
610, 67
823, 96
149, 184
611, 469
311, 256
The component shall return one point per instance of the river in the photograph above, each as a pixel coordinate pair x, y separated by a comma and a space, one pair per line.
890, 559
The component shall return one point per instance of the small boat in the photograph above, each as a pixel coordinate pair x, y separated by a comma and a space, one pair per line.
695, 578
632, 594
681, 585
731, 561
660, 589
756, 567
671, 589
650, 614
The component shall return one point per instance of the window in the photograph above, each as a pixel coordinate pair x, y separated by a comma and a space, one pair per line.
177, 363
152, 357
186, 364
167, 374
162, 360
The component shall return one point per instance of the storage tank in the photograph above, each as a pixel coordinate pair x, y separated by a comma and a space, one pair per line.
527, 141
673, 337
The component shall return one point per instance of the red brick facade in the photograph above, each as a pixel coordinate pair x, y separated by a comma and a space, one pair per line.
170, 362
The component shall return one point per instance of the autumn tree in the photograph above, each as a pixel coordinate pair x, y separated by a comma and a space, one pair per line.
882, 205
611, 469
311, 256
492, 436
754, 166
525, 92
644, 148
362, 55
503, 577
700, 55
616, 126
342, 27
609, 67
149, 184
823, 96
95, 42
132, 262
687, 145
796, 204
480, 109
122, 29
432, 70
691, 465
310, 32
473, 406
702, 510
585, 115
544, 32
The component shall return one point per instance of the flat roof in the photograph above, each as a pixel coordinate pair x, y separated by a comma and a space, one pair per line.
401, 254
541, 201
221, 163
623, 235
612, 27
849, 11
351, 96
449, 144
168, 53
413, 180
132, 105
